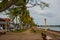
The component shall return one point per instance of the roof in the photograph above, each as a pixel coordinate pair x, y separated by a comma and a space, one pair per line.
5, 19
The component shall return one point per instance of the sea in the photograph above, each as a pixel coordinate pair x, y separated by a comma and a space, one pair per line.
52, 28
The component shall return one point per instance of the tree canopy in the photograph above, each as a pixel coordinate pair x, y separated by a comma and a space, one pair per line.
20, 10
5, 4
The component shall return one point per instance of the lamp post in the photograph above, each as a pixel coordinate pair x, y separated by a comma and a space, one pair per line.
44, 32
45, 24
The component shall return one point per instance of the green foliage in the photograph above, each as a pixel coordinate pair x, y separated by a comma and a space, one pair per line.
21, 12
36, 31
3, 3
21, 30
26, 19
20, 3
14, 12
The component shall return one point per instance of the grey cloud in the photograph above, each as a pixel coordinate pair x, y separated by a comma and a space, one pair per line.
48, 15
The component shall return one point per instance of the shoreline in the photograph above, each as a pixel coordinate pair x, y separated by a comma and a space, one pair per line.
53, 30
50, 29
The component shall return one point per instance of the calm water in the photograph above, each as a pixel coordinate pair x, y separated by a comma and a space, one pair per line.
52, 28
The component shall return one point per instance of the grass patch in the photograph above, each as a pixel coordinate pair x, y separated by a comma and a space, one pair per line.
21, 30
35, 31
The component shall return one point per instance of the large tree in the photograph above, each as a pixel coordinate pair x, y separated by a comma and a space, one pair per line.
9, 3
20, 10
19, 4
5, 4
26, 19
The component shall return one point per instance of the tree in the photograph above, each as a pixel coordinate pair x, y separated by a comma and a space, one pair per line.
9, 3
21, 12
15, 12
26, 19
5, 4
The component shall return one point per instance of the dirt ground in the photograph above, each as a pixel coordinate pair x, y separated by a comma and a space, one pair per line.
54, 35
27, 35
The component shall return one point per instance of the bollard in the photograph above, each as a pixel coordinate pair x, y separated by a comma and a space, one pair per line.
43, 36
33, 29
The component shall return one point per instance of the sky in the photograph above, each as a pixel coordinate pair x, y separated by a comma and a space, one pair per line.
52, 14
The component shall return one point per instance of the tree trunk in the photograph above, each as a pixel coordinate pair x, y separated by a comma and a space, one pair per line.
6, 26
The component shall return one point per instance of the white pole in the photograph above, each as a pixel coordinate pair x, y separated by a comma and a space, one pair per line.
45, 24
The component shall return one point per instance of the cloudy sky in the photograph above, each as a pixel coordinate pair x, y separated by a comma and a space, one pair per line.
52, 14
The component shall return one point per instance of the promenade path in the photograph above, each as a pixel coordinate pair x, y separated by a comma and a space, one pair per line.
27, 35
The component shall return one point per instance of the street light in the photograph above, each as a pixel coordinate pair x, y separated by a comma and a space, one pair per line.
45, 24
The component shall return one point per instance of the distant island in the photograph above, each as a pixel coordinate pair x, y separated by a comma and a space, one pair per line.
49, 25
